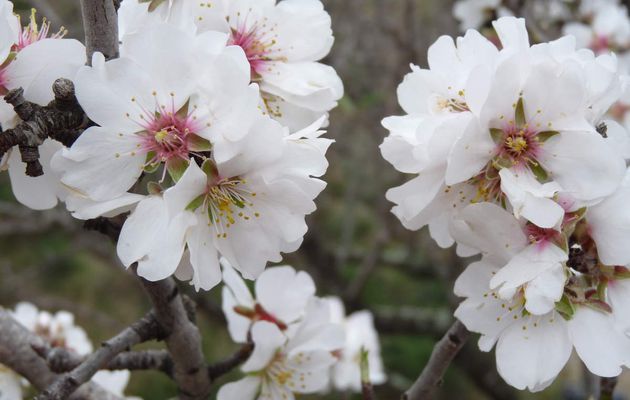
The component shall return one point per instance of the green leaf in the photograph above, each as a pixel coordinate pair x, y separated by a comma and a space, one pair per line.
196, 203
497, 135
197, 143
546, 135
565, 308
364, 366
539, 172
176, 168
519, 113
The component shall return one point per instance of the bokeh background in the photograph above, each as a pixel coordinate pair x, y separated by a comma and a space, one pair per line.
355, 247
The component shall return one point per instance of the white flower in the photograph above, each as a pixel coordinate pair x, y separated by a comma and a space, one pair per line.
279, 368
22, 50
283, 43
10, 384
527, 115
360, 335
476, 13
608, 30
59, 330
281, 296
248, 209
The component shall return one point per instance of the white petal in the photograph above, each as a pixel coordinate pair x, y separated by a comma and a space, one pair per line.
284, 292
245, 389
203, 257
267, 340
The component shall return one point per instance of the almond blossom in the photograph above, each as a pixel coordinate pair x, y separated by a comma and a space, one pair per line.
282, 295
60, 330
360, 335
21, 50
283, 42
538, 296
521, 129
281, 368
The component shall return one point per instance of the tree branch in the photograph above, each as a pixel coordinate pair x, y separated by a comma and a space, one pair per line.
141, 331
62, 120
443, 353
223, 367
17, 354
100, 23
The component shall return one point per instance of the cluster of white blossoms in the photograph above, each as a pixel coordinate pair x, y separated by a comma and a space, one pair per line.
59, 331
302, 343
513, 160
207, 129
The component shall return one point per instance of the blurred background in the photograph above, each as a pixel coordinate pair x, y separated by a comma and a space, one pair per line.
355, 247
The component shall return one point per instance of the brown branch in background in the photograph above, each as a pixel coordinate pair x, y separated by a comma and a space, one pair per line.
141, 331
607, 388
16, 352
100, 23
443, 354
223, 367
62, 120
61, 360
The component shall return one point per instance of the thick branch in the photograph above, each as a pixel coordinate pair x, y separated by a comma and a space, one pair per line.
17, 354
223, 367
443, 353
183, 339
141, 331
62, 120
100, 22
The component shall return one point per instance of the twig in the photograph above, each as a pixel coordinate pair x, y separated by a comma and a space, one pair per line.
16, 353
143, 330
443, 353
607, 388
100, 22
223, 367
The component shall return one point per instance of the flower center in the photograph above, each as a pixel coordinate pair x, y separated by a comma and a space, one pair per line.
32, 32
518, 145
167, 138
600, 44
259, 41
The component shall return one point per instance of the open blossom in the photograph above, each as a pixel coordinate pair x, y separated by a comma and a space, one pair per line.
474, 14
281, 367
281, 297
360, 334
519, 131
59, 330
283, 43
537, 294
21, 50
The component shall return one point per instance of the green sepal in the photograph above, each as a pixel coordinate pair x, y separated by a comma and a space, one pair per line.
546, 135
154, 188
565, 308
183, 111
519, 113
599, 305
539, 172
153, 4
176, 168
196, 203
621, 272
497, 135
210, 169
500, 162
197, 143
364, 366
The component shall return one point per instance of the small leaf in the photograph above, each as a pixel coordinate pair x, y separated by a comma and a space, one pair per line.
546, 135
197, 143
176, 168
497, 135
519, 113
196, 203
245, 312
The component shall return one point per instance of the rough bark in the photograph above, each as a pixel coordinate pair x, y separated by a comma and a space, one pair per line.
100, 23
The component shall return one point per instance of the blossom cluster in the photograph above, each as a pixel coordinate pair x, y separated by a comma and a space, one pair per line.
207, 129
58, 331
302, 343
513, 158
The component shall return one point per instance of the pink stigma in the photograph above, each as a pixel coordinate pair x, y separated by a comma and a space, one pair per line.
257, 42
519, 145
